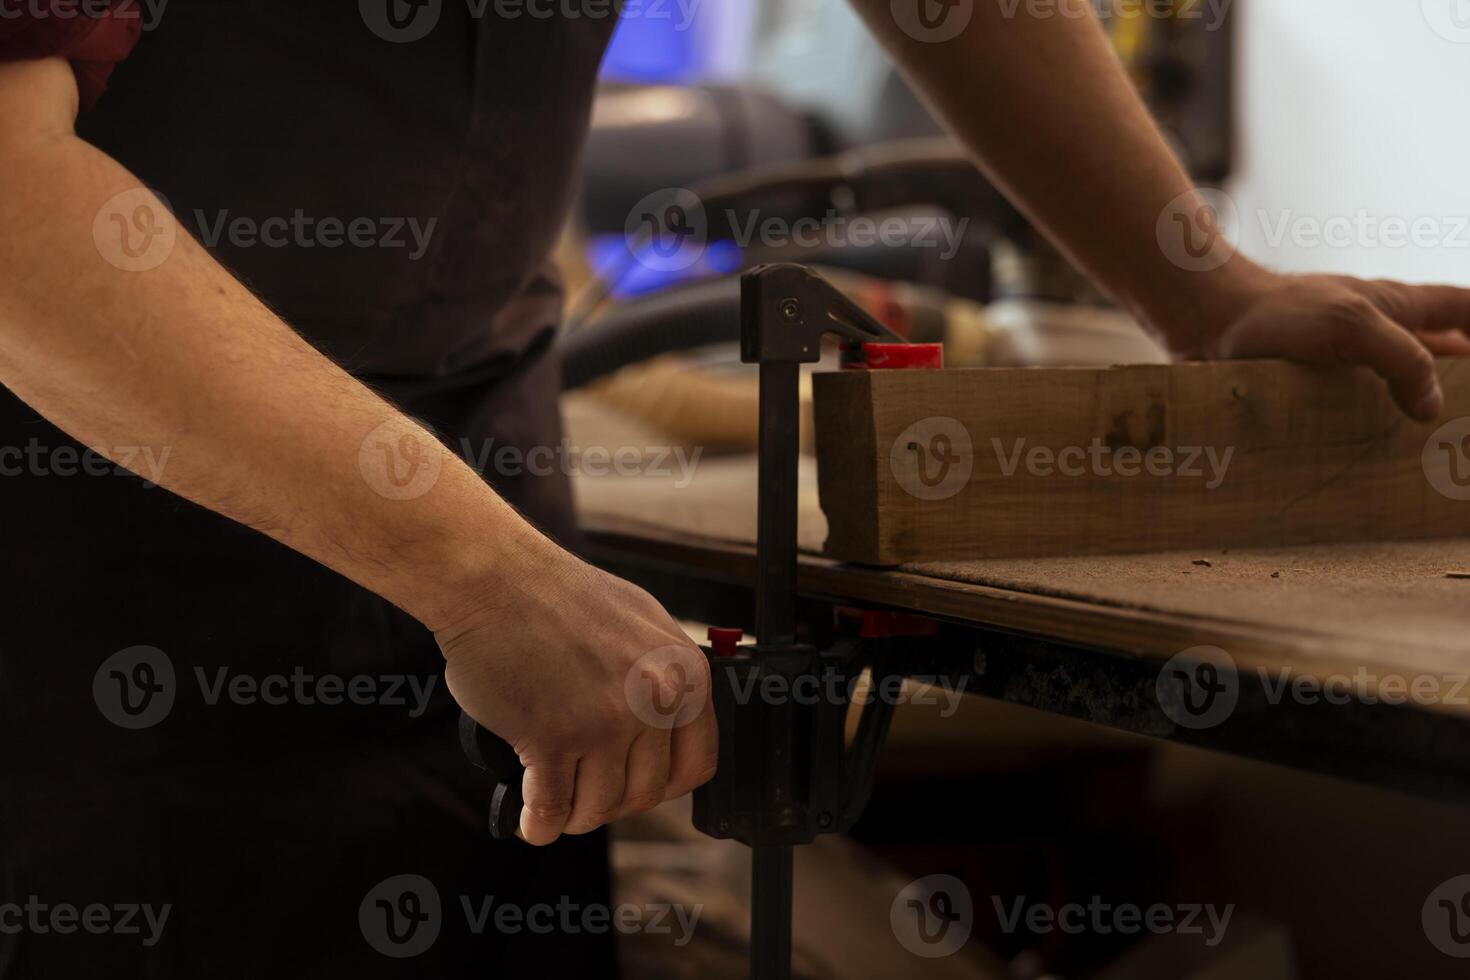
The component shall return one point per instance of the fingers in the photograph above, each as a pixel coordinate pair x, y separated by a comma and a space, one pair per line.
1421, 308
601, 778
1348, 328
1446, 344
696, 753
648, 771
1370, 338
547, 789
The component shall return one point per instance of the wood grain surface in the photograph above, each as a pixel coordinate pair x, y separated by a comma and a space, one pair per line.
1001, 462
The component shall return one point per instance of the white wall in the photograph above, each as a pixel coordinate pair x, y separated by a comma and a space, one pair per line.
1358, 111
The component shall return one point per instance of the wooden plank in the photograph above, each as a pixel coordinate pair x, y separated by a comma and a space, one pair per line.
1017, 462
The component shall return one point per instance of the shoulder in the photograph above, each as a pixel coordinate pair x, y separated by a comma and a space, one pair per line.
92, 36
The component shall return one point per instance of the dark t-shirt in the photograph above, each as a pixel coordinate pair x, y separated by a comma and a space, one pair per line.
390, 176
264, 826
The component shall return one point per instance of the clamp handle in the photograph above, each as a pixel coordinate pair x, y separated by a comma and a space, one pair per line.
493, 754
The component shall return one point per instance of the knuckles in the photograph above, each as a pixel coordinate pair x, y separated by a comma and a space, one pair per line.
587, 822
1349, 312
706, 773
550, 811
642, 802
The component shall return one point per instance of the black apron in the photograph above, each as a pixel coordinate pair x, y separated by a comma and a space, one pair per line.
269, 830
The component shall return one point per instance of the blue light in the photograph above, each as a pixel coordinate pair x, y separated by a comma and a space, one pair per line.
609, 257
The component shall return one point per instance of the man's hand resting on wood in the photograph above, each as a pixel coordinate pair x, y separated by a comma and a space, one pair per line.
1392, 328
1042, 102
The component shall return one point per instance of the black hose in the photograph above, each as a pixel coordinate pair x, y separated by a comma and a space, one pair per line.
681, 319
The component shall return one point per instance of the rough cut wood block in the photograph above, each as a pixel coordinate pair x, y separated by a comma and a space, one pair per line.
1011, 462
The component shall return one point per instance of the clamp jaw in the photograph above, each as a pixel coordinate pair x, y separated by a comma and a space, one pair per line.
786, 309
785, 773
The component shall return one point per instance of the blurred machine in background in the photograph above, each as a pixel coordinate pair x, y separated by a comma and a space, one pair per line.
714, 124
786, 110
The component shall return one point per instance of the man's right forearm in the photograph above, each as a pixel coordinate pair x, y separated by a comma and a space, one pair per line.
181, 359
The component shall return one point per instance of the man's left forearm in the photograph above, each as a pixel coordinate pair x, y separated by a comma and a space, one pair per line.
1037, 94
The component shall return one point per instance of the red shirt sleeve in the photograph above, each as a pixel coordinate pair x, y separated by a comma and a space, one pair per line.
94, 43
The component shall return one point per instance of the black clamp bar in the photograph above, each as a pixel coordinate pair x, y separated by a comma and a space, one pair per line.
777, 783
785, 771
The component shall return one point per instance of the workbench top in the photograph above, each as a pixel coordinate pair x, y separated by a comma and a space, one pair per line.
1366, 610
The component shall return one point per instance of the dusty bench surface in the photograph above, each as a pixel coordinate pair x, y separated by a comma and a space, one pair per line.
1385, 607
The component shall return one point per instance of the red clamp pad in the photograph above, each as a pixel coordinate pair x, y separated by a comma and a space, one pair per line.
724, 641
893, 357
880, 624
